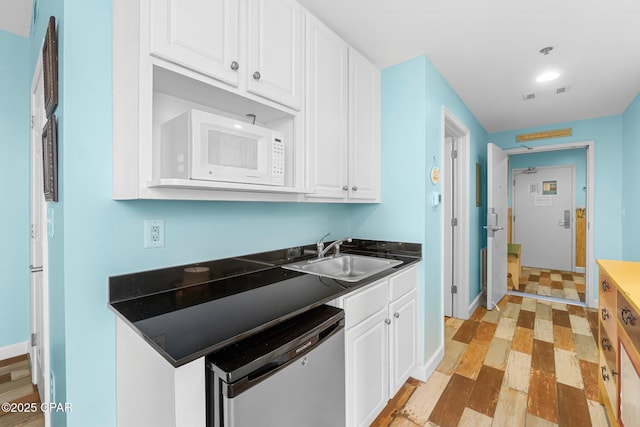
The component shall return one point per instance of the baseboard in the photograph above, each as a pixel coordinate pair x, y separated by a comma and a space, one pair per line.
423, 372
14, 350
475, 304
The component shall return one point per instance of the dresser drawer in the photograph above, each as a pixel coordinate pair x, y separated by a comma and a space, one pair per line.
607, 381
629, 320
607, 302
608, 348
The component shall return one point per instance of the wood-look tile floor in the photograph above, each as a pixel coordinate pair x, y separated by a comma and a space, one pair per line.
552, 283
534, 363
16, 387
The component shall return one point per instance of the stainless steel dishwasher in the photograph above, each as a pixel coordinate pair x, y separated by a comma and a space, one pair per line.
290, 375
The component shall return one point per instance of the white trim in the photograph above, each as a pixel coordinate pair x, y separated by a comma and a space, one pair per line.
591, 296
452, 125
475, 303
14, 350
423, 372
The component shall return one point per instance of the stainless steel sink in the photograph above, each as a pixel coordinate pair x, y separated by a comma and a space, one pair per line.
350, 268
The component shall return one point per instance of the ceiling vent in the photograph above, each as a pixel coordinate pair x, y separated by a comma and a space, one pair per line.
562, 89
528, 96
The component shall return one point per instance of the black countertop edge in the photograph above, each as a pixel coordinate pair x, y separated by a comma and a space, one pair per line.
140, 284
207, 350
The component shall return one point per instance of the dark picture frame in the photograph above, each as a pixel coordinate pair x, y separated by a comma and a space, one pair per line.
50, 67
50, 159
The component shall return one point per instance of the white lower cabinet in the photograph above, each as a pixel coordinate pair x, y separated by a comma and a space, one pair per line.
381, 343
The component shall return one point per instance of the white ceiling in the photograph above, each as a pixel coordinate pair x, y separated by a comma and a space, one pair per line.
488, 51
15, 16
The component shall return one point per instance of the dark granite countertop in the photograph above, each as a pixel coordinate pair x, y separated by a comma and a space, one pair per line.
188, 311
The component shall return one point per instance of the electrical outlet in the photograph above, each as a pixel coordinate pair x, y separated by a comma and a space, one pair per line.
154, 233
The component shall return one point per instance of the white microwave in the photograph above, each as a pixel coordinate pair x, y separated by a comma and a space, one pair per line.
204, 146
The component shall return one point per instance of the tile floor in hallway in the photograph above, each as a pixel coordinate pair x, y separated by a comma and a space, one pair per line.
552, 283
531, 364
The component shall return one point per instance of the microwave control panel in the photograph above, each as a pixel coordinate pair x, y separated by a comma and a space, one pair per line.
277, 159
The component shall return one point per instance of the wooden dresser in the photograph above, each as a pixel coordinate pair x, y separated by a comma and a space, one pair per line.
619, 340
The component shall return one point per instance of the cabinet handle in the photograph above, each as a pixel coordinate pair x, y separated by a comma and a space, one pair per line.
605, 314
627, 316
614, 372
606, 344
345, 188
387, 321
257, 75
605, 286
605, 376
235, 65
354, 188
396, 315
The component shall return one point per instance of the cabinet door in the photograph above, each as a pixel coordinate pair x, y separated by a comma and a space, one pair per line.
629, 378
198, 34
403, 339
364, 128
274, 50
367, 369
327, 110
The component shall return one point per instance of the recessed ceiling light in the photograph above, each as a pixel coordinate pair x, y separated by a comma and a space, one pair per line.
548, 76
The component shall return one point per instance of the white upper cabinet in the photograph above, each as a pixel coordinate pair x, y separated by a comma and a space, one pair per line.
198, 34
327, 110
274, 50
342, 118
364, 128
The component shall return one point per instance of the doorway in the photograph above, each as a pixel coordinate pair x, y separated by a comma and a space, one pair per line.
39, 351
455, 217
551, 214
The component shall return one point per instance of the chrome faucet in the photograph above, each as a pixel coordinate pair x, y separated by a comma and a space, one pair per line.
322, 251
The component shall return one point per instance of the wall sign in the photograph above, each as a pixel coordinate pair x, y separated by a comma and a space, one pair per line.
435, 175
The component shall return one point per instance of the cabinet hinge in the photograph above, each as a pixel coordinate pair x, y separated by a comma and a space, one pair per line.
33, 339
33, 120
454, 289
454, 222
454, 154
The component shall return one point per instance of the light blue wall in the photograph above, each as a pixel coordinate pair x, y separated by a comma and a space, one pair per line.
15, 83
631, 182
413, 95
96, 237
577, 157
606, 132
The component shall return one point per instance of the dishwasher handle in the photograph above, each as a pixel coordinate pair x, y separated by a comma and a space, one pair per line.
264, 372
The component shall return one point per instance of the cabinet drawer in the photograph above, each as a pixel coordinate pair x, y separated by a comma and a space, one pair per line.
366, 302
607, 291
628, 319
607, 382
403, 282
608, 348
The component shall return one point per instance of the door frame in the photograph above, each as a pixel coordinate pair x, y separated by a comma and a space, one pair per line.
44, 231
573, 205
590, 145
453, 127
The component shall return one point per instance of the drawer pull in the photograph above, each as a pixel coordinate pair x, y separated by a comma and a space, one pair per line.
605, 286
627, 317
614, 372
605, 376
606, 344
387, 321
605, 314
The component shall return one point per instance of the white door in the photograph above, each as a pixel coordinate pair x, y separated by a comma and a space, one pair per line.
497, 194
367, 369
543, 200
274, 50
39, 296
327, 109
403, 314
452, 238
364, 128
198, 34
